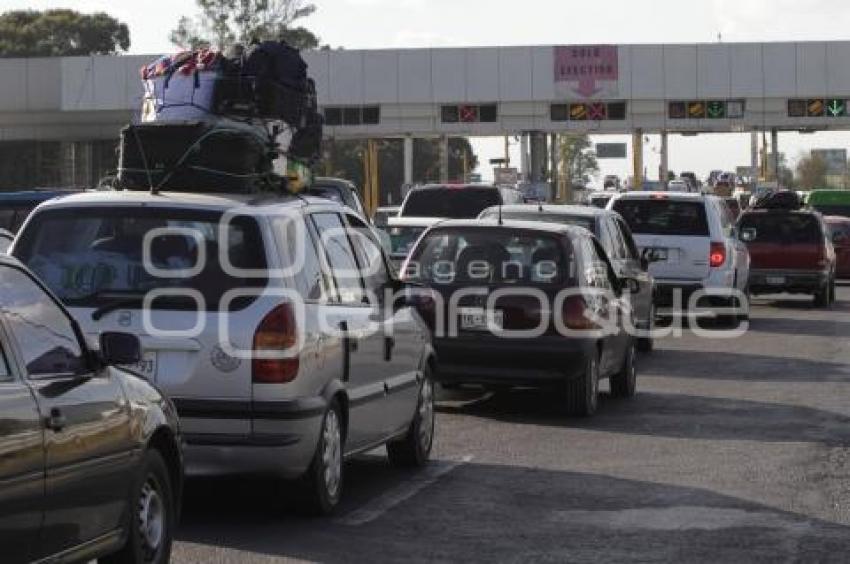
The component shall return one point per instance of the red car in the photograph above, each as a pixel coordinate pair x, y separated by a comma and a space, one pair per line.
840, 227
791, 252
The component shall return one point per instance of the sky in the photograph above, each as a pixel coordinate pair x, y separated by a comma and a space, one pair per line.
375, 24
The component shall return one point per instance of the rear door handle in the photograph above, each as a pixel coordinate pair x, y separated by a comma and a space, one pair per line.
56, 421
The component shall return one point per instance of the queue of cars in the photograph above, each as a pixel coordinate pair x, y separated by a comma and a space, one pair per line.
275, 330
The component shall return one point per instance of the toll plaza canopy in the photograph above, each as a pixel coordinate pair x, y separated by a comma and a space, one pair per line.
483, 91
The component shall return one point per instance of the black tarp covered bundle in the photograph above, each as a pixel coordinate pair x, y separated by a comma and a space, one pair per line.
216, 122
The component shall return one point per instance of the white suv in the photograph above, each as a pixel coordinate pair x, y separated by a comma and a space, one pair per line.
689, 238
265, 319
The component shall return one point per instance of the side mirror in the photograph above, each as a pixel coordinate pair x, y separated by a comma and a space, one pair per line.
120, 349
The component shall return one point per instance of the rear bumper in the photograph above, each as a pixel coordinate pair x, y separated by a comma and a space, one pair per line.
787, 281
282, 443
488, 360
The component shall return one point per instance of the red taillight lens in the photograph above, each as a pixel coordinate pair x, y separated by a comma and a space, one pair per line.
717, 257
276, 334
575, 315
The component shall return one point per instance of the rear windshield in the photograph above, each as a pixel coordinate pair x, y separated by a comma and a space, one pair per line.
664, 217
490, 256
402, 239
600, 201
452, 203
781, 228
826, 209
91, 256
588, 223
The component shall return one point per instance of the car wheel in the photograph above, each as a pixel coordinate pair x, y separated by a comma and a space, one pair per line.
321, 486
583, 392
414, 449
624, 383
647, 344
821, 297
152, 514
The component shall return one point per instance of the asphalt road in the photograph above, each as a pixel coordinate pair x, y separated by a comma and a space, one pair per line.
734, 450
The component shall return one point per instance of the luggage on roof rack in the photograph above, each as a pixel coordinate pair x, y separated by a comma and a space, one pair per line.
268, 82
192, 156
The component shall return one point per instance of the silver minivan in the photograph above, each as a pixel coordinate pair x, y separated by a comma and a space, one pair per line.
273, 323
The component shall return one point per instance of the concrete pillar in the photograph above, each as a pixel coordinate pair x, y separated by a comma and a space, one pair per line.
637, 159
538, 157
774, 144
524, 165
507, 152
664, 170
754, 159
408, 160
554, 156
444, 158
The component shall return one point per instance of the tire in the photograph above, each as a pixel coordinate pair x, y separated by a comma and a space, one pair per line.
821, 297
414, 449
320, 489
624, 383
647, 344
583, 392
152, 516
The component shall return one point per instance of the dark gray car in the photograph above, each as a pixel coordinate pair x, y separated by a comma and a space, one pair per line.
91, 461
616, 238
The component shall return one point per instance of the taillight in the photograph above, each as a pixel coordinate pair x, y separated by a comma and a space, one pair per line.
717, 256
575, 316
276, 334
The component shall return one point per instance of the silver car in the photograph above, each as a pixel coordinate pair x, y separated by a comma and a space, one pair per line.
270, 322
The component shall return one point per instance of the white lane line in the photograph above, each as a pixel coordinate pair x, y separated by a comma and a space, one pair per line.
398, 495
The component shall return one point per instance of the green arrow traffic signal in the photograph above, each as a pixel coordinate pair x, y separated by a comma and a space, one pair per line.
716, 110
836, 108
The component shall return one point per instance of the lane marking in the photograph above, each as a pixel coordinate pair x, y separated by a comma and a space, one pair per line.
398, 495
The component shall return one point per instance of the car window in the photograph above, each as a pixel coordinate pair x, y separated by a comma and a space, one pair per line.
101, 250
488, 256
450, 202
662, 216
596, 269
629, 241
340, 255
310, 279
43, 332
370, 256
780, 228
614, 246
5, 373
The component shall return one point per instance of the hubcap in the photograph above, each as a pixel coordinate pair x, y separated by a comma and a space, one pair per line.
332, 453
151, 518
426, 415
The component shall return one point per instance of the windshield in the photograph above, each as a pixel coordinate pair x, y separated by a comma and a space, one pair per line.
402, 239
489, 256
664, 217
588, 223
85, 254
781, 228
12, 217
452, 203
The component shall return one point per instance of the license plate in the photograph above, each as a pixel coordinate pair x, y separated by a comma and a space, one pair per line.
146, 367
476, 319
776, 280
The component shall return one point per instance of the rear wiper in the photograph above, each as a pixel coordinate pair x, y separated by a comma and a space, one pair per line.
118, 301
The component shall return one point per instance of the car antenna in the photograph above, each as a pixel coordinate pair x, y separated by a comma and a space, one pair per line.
540, 206
500, 215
